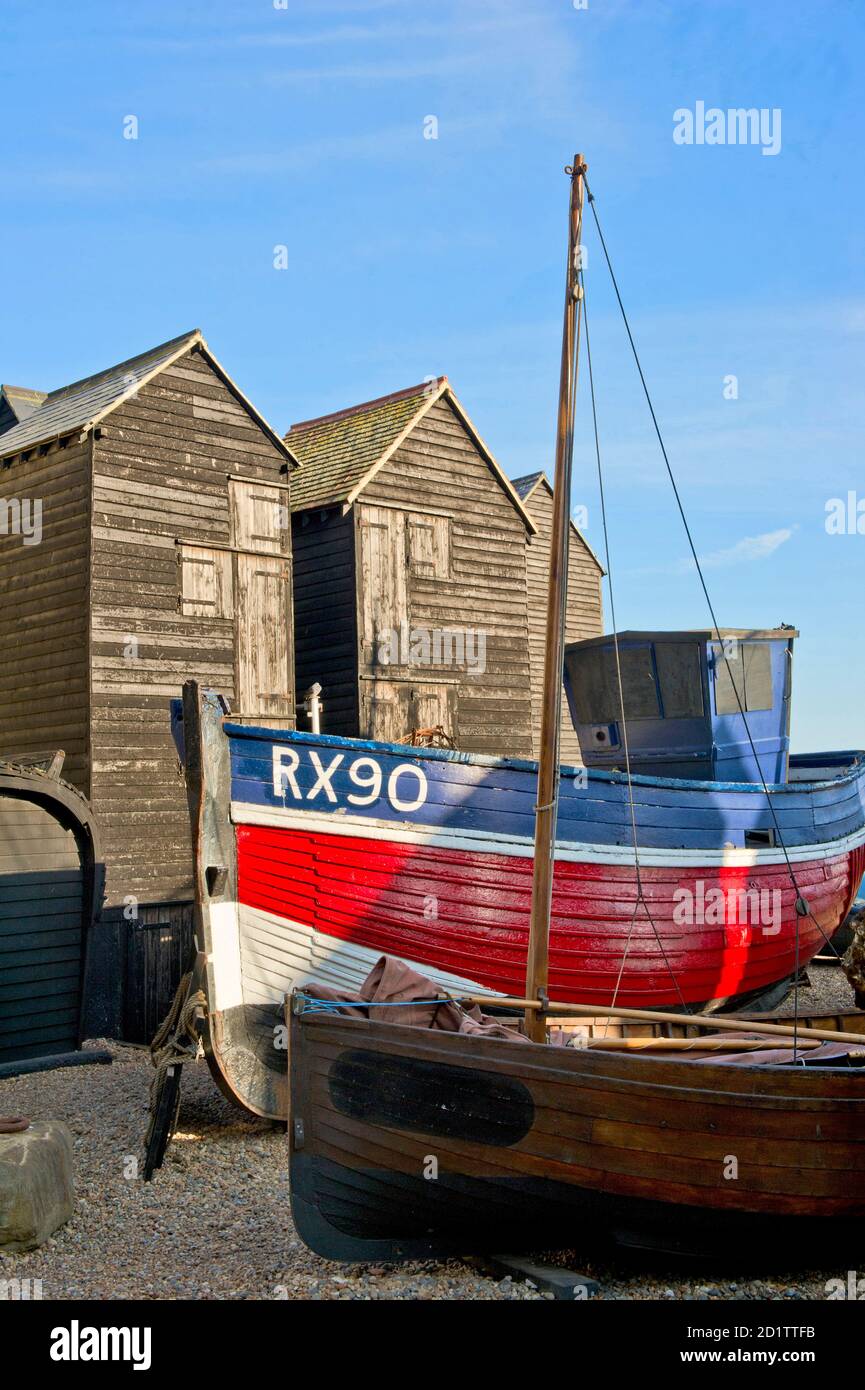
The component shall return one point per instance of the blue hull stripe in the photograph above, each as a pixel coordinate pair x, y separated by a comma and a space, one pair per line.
496, 797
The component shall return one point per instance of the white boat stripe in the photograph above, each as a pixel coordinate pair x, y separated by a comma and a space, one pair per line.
402, 832
279, 954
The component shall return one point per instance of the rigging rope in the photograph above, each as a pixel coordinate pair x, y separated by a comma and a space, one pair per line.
802, 907
314, 1005
641, 896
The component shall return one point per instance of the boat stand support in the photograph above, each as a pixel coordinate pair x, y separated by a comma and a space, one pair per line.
565, 1285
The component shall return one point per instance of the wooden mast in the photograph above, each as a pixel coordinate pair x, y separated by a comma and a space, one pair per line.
537, 966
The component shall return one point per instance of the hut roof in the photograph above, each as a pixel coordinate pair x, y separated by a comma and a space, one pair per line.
20, 401
84, 403
340, 453
524, 487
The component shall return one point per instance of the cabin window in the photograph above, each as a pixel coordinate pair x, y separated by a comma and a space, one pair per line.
748, 671
680, 676
206, 589
759, 839
639, 682
663, 681
429, 545
597, 684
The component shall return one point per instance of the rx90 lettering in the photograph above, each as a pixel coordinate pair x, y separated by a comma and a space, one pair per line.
405, 789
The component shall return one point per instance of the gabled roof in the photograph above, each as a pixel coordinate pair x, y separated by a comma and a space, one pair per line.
19, 401
340, 453
83, 404
524, 487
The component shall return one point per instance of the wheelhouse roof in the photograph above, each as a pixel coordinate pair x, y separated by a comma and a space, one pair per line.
693, 635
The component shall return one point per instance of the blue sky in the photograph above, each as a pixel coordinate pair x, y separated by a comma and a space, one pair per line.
303, 126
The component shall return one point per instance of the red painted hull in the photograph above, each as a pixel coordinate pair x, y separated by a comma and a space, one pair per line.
467, 913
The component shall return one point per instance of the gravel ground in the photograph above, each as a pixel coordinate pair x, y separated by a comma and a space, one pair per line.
828, 990
215, 1222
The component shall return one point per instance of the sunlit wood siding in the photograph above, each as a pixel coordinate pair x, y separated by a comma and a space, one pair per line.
585, 616
160, 475
440, 471
44, 607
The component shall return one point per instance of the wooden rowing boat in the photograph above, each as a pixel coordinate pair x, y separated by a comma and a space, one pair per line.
407, 1142
271, 917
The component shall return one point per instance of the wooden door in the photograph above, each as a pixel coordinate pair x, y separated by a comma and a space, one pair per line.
392, 710
259, 517
206, 582
262, 602
429, 545
382, 596
381, 712
263, 626
428, 706
41, 932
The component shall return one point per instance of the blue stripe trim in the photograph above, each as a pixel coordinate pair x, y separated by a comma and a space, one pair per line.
854, 761
495, 797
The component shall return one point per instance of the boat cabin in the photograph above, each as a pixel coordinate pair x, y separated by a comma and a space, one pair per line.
686, 699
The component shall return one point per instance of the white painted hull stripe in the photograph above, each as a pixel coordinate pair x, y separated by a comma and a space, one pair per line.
367, 828
278, 954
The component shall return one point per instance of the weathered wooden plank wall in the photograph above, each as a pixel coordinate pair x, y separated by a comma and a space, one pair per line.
439, 471
585, 616
160, 473
44, 609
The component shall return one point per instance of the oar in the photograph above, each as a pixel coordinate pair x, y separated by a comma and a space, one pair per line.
714, 1022
696, 1044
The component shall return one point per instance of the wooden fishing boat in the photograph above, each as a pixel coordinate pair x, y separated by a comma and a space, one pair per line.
316, 854
408, 1139
547, 1146
334, 851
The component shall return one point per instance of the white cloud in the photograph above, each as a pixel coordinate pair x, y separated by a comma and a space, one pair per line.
748, 549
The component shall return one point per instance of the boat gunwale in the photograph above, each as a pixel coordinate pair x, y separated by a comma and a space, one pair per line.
602, 1062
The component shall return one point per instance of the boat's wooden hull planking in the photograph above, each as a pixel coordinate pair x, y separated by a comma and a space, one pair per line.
408, 1141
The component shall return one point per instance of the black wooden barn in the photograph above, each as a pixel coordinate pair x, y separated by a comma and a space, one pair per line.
162, 553
410, 574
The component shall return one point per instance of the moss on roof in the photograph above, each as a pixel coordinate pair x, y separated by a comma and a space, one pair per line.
336, 452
